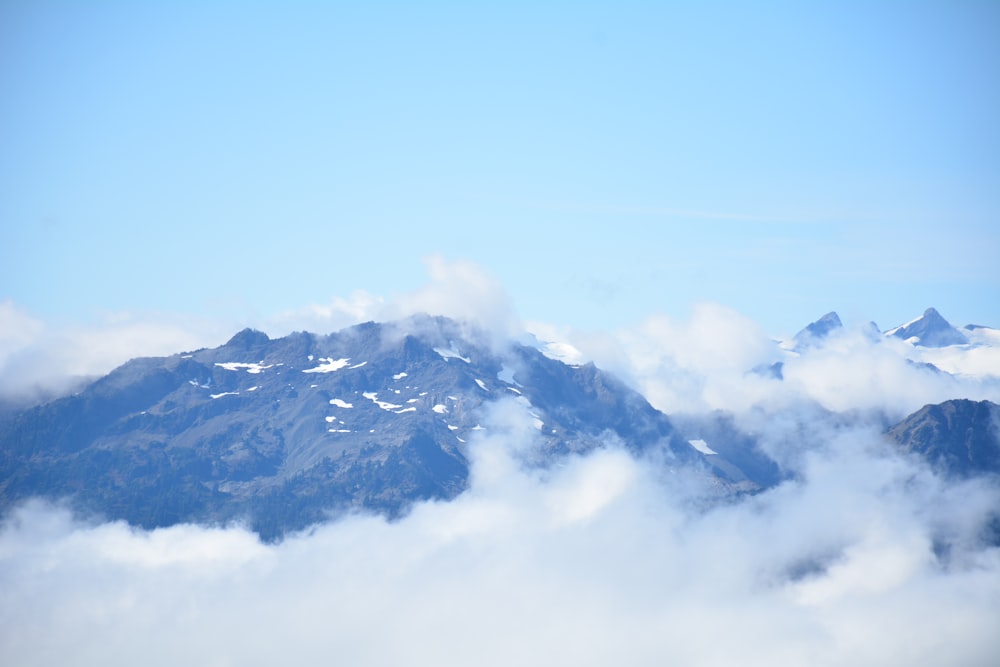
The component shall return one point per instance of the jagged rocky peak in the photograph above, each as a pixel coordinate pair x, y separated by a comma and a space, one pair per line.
825, 324
819, 329
929, 330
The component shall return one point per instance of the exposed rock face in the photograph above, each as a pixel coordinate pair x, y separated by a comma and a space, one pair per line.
958, 437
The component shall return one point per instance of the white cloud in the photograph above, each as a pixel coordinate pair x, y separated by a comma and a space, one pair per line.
602, 560
851, 371
37, 359
717, 359
974, 361
691, 365
18, 330
464, 291
339, 313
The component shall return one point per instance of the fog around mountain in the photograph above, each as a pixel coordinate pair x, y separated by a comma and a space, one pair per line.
864, 555
594, 561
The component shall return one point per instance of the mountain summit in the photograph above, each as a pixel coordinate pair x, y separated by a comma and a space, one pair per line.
929, 330
818, 330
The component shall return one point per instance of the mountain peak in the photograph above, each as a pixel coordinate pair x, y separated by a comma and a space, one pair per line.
929, 330
248, 338
819, 329
932, 312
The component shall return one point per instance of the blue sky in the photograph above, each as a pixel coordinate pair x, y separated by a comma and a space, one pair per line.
603, 161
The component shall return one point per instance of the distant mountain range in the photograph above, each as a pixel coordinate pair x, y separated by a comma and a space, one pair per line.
283, 433
928, 330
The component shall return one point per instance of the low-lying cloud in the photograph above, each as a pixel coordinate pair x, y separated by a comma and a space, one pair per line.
864, 558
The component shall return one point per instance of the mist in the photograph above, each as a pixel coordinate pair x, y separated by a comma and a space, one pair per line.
718, 359
865, 557
39, 360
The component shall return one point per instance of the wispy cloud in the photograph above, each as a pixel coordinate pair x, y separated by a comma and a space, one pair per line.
38, 359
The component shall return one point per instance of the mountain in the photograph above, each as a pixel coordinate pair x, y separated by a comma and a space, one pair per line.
280, 433
717, 436
929, 330
958, 437
818, 330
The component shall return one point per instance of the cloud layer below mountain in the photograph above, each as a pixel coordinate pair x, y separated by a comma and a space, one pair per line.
865, 558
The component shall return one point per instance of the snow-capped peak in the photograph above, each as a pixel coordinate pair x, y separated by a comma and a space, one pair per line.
929, 330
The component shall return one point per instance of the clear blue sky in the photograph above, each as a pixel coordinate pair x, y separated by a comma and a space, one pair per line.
604, 161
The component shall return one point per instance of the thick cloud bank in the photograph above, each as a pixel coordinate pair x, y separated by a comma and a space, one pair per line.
866, 558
